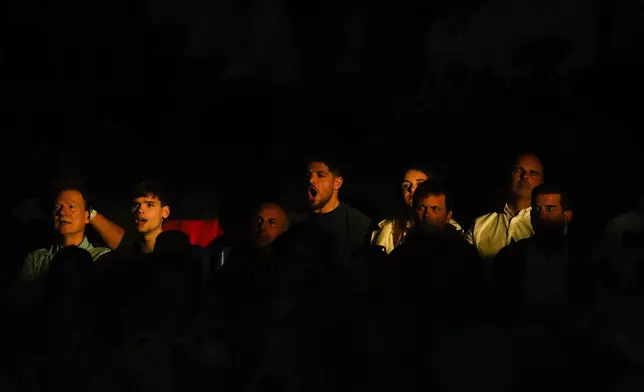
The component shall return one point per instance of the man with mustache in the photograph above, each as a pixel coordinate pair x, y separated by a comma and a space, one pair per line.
345, 226
492, 232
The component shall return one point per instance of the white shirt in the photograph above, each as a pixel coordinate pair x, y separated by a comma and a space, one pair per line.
494, 231
384, 236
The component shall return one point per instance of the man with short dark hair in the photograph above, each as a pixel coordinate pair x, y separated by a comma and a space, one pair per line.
541, 277
347, 228
432, 206
435, 269
150, 208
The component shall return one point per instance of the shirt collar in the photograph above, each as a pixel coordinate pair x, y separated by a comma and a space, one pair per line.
85, 244
507, 210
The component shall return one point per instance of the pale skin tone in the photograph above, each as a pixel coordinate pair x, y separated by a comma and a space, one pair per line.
70, 217
411, 180
526, 175
149, 213
324, 188
110, 232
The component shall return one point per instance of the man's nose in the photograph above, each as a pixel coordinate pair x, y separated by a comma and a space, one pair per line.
524, 175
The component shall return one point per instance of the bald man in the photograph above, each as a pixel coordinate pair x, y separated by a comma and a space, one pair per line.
270, 222
494, 231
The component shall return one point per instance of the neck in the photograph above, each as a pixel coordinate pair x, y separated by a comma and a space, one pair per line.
328, 207
517, 204
150, 240
72, 239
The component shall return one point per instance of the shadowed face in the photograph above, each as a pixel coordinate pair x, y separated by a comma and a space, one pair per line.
548, 215
411, 180
431, 212
270, 222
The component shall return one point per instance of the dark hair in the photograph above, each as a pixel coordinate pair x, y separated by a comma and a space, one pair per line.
151, 188
431, 172
329, 160
553, 189
69, 185
430, 187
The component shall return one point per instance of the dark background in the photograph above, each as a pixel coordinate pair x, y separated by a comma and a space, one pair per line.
231, 95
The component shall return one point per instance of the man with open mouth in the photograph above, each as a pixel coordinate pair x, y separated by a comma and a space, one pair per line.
71, 215
348, 227
149, 209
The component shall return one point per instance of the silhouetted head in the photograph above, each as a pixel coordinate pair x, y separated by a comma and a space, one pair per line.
172, 241
71, 271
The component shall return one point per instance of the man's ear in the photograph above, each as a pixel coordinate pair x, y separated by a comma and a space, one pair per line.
165, 212
87, 217
448, 217
567, 216
337, 183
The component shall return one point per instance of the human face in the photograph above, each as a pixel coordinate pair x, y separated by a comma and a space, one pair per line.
411, 180
323, 186
431, 212
70, 214
148, 214
527, 174
270, 223
548, 215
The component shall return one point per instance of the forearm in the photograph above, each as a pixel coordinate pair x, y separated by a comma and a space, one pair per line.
111, 233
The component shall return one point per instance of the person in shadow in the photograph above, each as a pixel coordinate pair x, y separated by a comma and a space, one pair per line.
431, 284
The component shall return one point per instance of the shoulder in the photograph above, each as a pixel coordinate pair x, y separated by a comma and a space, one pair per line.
37, 254
98, 252
384, 224
486, 217
356, 215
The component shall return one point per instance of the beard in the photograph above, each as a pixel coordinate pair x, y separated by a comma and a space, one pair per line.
318, 199
523, 189
550, 229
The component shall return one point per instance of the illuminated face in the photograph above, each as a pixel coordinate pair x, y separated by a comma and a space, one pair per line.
431, 212
148, 214
323, 185
269, 224
527, 174
411, 180
70, 215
